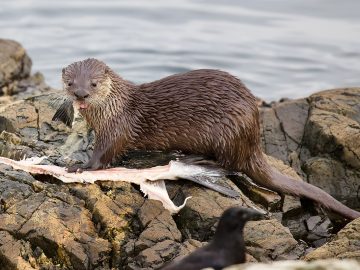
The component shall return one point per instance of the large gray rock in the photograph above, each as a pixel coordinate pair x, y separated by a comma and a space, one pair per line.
268, 240
319, 138
332, 176
16, 82
283, 128
333, 138
15, 64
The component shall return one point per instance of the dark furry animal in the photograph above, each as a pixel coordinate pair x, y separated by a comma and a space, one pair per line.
226, 248
206, 112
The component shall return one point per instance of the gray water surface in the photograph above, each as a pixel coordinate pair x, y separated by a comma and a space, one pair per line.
278, 48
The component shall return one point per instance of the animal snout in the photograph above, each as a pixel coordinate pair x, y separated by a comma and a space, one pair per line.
81, 94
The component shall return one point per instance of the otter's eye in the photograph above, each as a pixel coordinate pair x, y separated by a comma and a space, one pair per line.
93, 84
70, 83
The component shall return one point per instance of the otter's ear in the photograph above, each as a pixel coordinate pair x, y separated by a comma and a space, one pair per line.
107, 70
63, 71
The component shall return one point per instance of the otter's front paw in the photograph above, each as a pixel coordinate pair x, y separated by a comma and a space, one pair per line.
75, 169
93, 166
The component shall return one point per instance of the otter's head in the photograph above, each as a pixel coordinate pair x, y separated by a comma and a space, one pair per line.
87, 82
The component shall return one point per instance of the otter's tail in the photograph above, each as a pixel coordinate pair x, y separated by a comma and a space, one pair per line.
274, 180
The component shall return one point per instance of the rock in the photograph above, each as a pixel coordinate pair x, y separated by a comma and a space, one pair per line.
198, 219
15, 64
283, 127
149, 211
162, 252
63, 230
335, 178
318, 230
6, 126
291, 204
299, 265
268, 240
338, 101
319, 140
267, 198
189, 246
295, 222
273, 139
333, 125
155, 256
112, 214
16, 82
292, 115
332, 135
335, 134
12, 252
161, 227
346, 244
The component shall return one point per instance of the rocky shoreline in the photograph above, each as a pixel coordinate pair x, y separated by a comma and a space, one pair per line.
45, 224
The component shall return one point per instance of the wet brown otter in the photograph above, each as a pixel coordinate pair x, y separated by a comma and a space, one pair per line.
207, 112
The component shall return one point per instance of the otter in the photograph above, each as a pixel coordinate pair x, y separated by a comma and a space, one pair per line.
206, 112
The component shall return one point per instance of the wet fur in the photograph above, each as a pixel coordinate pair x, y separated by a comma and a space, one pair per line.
207, 112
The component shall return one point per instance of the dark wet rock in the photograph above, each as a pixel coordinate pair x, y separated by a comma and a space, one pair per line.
156, 256
292, 115
346, 244
162, 252
319, 230
273, 139
296, 223
283, 128
313, 229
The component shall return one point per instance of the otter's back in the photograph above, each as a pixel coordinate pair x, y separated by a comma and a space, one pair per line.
197, 111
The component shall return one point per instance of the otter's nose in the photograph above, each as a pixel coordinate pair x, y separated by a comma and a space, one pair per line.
81, 94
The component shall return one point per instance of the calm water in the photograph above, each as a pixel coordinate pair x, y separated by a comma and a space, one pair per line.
279, 48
